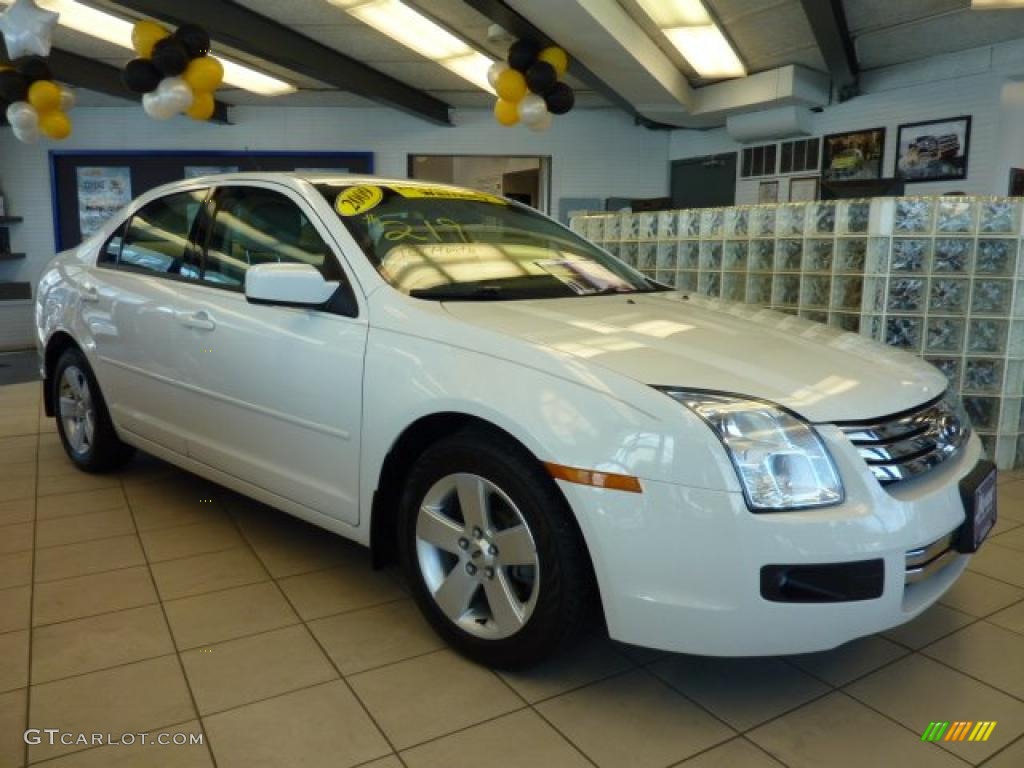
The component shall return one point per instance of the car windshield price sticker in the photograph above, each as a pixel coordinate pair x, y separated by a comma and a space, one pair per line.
447, 193
356, 200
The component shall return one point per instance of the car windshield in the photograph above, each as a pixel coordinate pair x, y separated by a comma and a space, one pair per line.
449, 244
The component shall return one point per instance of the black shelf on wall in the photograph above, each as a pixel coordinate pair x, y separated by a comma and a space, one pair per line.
9, 290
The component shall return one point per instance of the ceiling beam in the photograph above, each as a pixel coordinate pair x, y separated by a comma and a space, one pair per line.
520, 27
81, 72
828, 23
256, 35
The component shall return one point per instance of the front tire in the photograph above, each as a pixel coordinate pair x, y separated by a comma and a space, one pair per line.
83, 421
494, 558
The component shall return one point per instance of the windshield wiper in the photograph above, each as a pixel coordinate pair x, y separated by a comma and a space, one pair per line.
456, 293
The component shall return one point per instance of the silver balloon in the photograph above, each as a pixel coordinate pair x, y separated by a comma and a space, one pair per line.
495, 71
67, 99
532, 109
176, 92
541, 125
27, 29
23, 115
26, 135
158, 108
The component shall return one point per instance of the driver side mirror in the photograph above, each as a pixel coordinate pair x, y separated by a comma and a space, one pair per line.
289, 285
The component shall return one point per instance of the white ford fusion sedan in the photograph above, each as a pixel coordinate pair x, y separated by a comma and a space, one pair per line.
533, 428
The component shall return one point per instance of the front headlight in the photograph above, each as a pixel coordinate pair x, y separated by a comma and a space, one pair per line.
781, 461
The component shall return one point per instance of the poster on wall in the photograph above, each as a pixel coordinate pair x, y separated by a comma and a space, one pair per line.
102, 192
854, 155
935, 150
195, 171
803, 189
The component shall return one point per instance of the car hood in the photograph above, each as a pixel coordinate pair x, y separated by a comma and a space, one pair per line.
665, 339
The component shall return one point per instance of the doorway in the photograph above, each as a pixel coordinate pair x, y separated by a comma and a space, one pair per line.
704, 182
522, 178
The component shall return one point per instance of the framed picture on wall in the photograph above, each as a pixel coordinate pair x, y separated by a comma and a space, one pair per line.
803, 189
935, 150
853, 155
768, 192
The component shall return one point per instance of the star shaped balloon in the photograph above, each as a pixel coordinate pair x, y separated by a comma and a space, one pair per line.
27, 29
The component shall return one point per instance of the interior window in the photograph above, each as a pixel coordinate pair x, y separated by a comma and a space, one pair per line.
253, 226
157, 238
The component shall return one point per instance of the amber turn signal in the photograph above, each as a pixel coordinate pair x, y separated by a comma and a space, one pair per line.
597, 479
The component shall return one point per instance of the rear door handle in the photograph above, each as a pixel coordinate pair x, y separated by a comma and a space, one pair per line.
200, 320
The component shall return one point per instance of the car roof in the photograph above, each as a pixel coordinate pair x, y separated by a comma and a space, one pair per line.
315, 177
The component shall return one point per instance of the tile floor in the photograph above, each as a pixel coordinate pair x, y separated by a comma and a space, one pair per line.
152, 601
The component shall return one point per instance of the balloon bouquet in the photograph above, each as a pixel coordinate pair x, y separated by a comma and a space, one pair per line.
529, 87
174, 71
33, 103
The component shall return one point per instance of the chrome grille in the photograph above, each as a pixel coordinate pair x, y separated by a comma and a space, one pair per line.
909, 444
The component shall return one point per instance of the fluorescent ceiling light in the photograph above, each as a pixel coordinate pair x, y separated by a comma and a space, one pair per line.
117, 31
412, 29
991, 5
690, 28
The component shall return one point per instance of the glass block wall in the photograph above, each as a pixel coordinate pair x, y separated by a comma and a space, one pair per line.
941, 277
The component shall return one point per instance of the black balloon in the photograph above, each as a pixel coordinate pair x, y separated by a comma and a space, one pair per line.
523, 54
195, 39
541, 77
140, 76
560, 99
34, 68
13, 86
169, 56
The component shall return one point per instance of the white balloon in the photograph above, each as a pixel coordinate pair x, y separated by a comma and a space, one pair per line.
23, 115
158, 108
27, 29
26, 134
67, 99
495, 71
541, 125
176, 92
532, 109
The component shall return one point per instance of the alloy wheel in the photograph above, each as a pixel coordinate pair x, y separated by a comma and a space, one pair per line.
77, 410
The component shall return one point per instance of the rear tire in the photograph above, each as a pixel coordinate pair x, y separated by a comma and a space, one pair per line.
83, 421
495, 560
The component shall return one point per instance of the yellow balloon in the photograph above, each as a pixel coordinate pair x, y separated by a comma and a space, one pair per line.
557, 58
506, 112
511, 85
202, 106
55, 125
44, 95
204, 74
146, 34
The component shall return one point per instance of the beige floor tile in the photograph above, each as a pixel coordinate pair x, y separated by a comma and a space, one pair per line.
139, 755
207, 573
345, 588
187, 540
519, 740
228, 614
88, 557
840, 732
1012, 757
67, 504
12, 728
938, 621
1011, 501
130, 699
148, 469
83, 596
742, 692
242, 671
13, 660
77, 481
321, 727
11, 471
174, 513
431, 696
1010, 618
909, 691
738, 753
288, 546
87, 527
391, 761
594, 659
16, 538
16, 450
15, 569
371, 637
17, 511
634, 720
992, 654
14, 608
1000, 563
23, 487
1013, 538
978, 595
850, 661
98, 642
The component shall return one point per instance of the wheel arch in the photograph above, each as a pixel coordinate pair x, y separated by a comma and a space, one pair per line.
56, 345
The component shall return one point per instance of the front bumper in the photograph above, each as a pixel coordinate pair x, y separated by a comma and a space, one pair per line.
679, 568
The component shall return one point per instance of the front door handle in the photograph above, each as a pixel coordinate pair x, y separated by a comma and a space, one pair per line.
89, 293
201, 320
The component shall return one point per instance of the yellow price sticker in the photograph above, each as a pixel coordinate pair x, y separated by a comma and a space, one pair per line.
447, 193
356, 200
